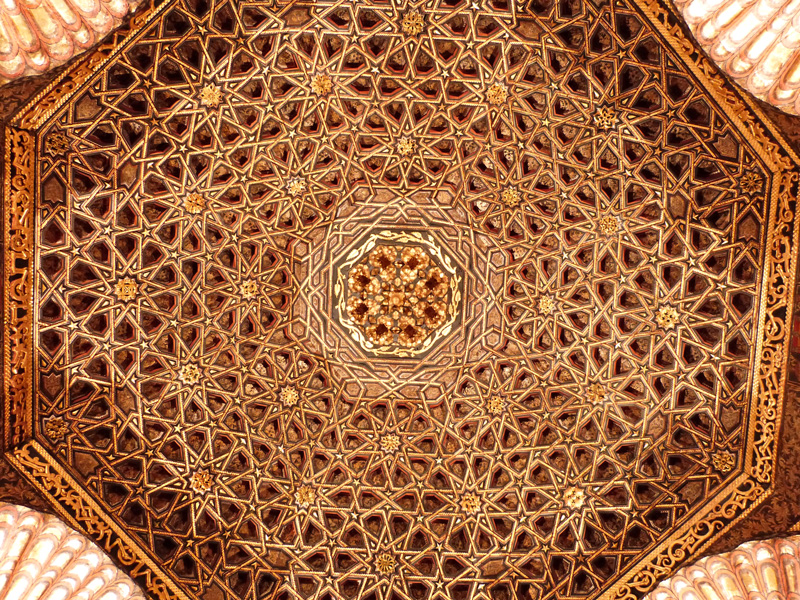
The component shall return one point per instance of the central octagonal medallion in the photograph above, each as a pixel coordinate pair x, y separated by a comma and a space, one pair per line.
397, 293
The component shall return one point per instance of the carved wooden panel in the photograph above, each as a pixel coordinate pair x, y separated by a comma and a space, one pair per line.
369, 300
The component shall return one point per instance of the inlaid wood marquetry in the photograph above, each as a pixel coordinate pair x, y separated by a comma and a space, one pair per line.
378, 300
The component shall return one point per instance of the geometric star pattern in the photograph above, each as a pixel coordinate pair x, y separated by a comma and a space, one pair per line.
608, 219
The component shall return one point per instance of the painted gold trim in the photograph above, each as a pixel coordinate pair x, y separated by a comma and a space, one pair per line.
19, 189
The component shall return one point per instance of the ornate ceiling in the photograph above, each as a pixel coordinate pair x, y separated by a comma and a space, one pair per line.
373, 300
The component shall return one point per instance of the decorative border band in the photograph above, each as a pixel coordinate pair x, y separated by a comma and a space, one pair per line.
766, 399
18, 208
86, 516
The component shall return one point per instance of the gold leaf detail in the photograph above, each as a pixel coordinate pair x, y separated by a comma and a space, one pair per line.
202, 481
189, 374
194, 203
470, 503
497, 94
322, 85
305, 495
385, 563
289, 395
55, 428
667, 317
390, 442
412, 23
574, 497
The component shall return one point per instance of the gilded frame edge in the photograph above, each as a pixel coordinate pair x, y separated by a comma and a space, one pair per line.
18, 189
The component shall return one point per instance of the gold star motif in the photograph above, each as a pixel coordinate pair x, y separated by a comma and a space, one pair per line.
608, 225
289, 395
406, 146
249, 289
412, 23
211, 96
723, 461
510, 196
194, 203
750, 183
305, 495
202, 481
470, 503
385, 563
390, 442
126, 289
495, 405
56, 144
546, 305
322, 85
296, 186
55, 428
189, 374
497, 94
667, 317
605, 117
574, 497
595, 393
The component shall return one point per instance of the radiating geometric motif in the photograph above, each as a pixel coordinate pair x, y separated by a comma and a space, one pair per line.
397, 293
611, 226
43, 558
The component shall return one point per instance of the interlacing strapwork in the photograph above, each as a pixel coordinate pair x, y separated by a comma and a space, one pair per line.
582, 228
42, 555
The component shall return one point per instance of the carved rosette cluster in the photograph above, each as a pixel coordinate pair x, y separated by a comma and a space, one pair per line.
609, 218
386, 313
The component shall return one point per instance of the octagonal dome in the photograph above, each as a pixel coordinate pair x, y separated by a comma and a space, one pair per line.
180, 209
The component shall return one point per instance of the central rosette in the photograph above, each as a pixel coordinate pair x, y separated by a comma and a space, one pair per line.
397, 293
